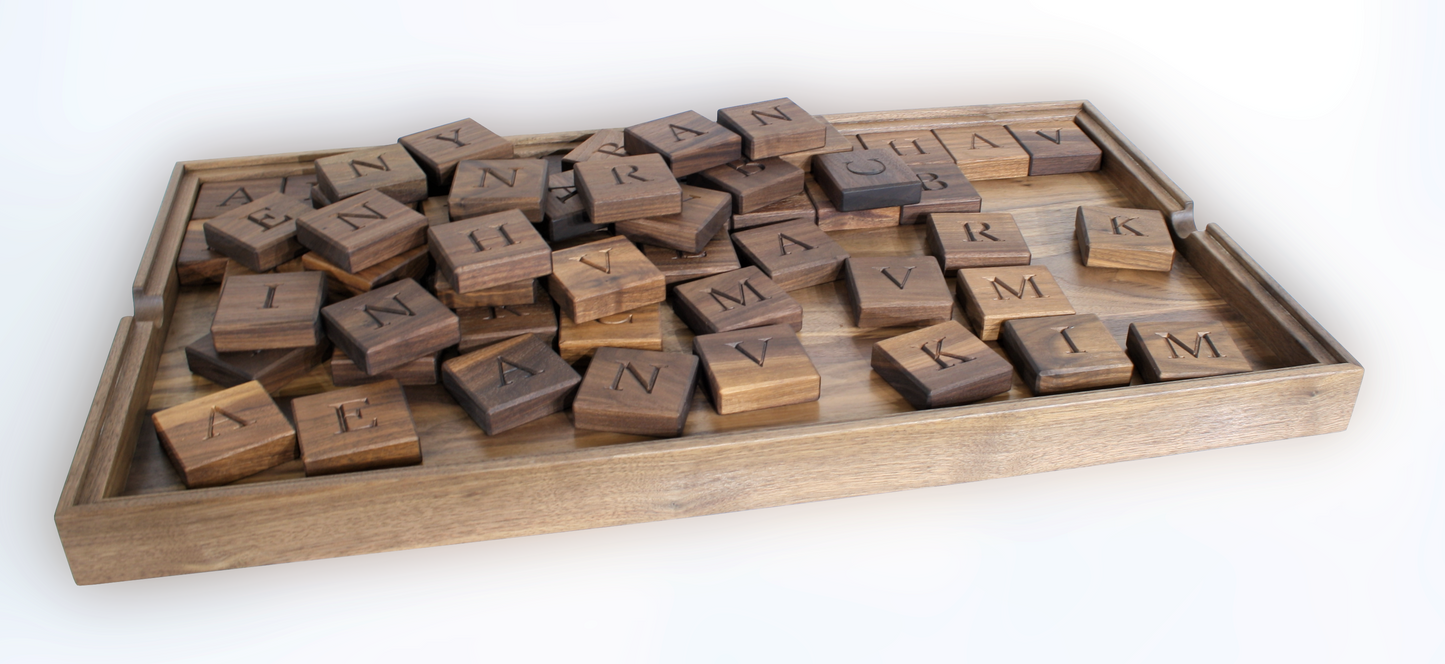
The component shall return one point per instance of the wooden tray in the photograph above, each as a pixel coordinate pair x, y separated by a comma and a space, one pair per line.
124, 514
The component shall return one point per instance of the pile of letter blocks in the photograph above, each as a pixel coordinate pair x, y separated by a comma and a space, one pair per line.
549, 265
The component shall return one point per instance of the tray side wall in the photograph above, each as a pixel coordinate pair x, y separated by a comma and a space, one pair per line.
129, 538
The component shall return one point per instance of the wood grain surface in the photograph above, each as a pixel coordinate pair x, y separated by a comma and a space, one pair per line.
122, 497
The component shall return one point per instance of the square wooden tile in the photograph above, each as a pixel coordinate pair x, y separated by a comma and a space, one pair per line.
357, 428
797, 207
830, 218
754, 185
639, 329
976, 240
602, 278
225, 436
992, 295
627, 188
482, 326
498, 185
436, 211
564, 214
510, 383
526, 291
489, 251
1123, 238
388, 169
705, 214
272, 368
1065, 353
265, 311
216, 198
1057, 147
794, 254
604, 144
640, 392
833, 141
736, 300
866, 180
687, 141
410, 264
887, 291
362, 231
420, 370
197, 263
1175, 350
941, 365
985, 152
774, 127
439, 149
757, 368
680, 266
913, 147
945, 189
390, 326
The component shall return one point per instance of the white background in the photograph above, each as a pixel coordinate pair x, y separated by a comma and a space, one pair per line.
1310, 131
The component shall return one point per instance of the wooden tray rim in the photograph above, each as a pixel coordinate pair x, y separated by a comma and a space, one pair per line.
98, 470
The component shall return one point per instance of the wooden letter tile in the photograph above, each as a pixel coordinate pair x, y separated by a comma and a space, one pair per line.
897, 290
992, 295
483, 326
793, 208
265, 311
941, 365
564, 214
272, 368
641, 392
677, 267
485, 187
639, 329
1183, 349
830, 218
757, 368
945, 189
489, 251
987, 152
867, 179
358, 428
1124, 238
772, 128
627, 188
223, 437
260, 234
976, 240
736, 300
913, 147
526, 291
215, 198
794, 254
410, 264
705, 213
605, 144
511, 383
754, 184
436, 210
418, 371
197, 263
1065, 353
1056, 148
834, 141
388, 169
602, 278
390, 326
437, 150
687, 141
299, 186
362, 231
